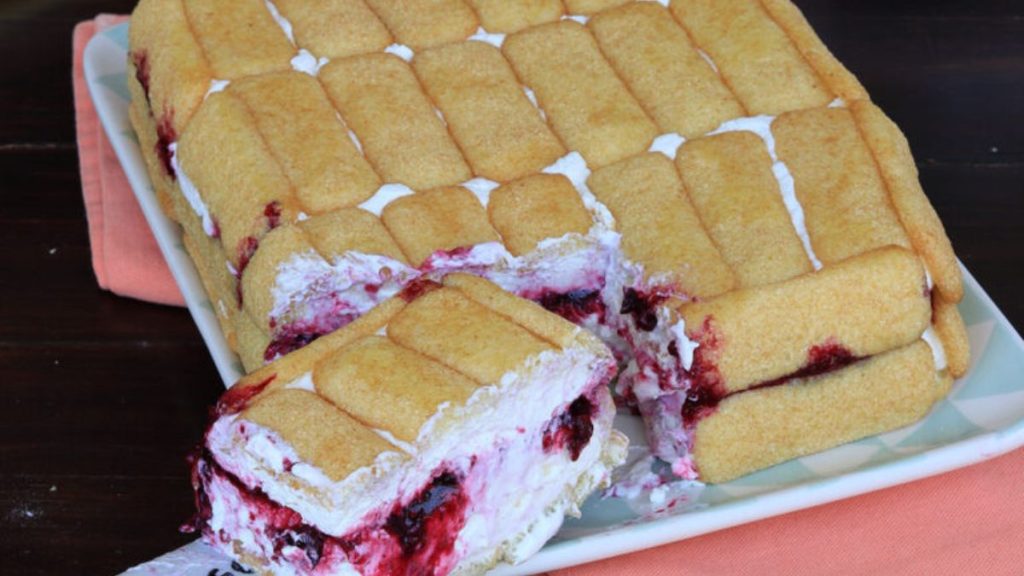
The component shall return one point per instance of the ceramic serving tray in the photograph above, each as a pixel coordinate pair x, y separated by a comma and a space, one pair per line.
982, 417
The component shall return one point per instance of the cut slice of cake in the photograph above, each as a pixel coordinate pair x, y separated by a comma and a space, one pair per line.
451, 428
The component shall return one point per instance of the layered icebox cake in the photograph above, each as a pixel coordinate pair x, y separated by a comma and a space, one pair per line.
450, 428
700, 184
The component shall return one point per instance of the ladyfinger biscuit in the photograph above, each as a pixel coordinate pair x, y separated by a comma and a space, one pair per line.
591, 6
464, 335
382, 102
505, 16
892, 154
753, 54
759, 428
660, 229
335, 28
168, 65
852, 309
425, 23
524, 312
239, 37
845, 202
663, 69
586, 103
308, 140
245, 192
319, 431
350, 229
838, 79
536, 208
439, 219
949, 326
729, 179
375, 372
501, 134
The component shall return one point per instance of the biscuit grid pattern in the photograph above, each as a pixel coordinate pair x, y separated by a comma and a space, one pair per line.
806, 76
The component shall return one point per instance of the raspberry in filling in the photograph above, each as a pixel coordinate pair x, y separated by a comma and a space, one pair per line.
575, 306
641, 307
415, 538
272, 211
141, 61
417, 288
571, 429
165, 136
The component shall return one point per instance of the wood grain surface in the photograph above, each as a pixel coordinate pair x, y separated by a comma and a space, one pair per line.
102, 397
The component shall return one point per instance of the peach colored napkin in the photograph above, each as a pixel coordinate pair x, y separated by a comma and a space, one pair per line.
965, 522
125, 256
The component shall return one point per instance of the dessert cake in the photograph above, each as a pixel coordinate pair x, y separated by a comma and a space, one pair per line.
450, 428
699, 183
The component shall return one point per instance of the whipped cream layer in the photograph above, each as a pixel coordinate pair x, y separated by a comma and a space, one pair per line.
504, 468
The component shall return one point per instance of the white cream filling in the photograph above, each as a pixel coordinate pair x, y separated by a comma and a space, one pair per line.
385, 195
305, 275
938, 350
216, 86
481, 188
582, 19
191, 193
486, 37
532, 97
574, 167
761, 126
667, 144
307, 63
400, 50
282, 22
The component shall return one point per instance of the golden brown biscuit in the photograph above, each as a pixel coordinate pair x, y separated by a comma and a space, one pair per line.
439, 219
505, 16
846, 205
464, 335
426, 23
335, 28
759, 428
660, 229
852, 309
306, 137
591, 6
729, 179
892, 153
586, 103
382, 102
316, 429
536, 208
753, 54
663, 69
501, 134
239, 37
386, 386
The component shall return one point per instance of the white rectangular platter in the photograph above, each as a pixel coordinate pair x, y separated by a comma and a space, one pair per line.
981, 418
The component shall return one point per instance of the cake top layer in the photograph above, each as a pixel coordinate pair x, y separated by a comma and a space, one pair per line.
371, 386
720, 140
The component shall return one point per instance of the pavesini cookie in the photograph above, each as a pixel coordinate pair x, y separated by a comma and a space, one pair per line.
452, 427
699, 183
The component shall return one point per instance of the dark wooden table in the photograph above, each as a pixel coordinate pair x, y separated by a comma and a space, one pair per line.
101, 397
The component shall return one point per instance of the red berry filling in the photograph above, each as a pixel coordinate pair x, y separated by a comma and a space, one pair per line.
821, 359
141, 62
272, 212
295, 336
571, 429
415, 538
641, 307
417, 288
575, 306
165, 136
237, 397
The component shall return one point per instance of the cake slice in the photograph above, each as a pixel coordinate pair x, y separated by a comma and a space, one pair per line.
451, 428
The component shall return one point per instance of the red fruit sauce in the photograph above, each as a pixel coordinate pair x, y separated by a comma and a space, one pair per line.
571, 429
